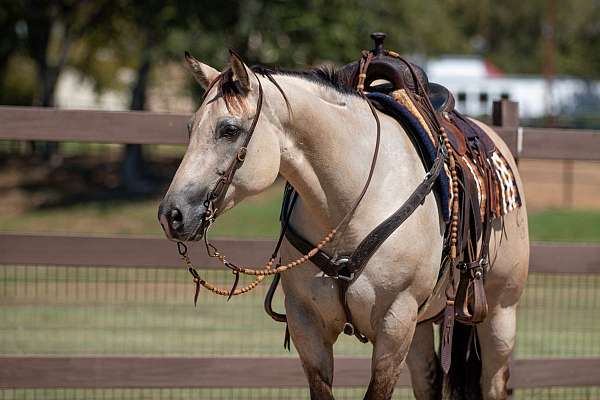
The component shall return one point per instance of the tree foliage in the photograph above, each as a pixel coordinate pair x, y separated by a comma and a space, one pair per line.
99, 37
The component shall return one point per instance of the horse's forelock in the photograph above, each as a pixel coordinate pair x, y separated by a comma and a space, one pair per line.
231, 93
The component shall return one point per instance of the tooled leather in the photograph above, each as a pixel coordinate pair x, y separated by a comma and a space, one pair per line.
369, 245
455, 137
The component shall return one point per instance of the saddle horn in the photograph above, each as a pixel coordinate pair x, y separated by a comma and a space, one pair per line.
388, 66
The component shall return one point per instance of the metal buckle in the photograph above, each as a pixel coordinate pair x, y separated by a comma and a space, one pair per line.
462, 266
349, 329
241, 155
475, 268
347, 278
339, 261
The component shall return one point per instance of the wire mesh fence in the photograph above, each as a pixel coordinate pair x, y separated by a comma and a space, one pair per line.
571, 393
185, 394
71, 311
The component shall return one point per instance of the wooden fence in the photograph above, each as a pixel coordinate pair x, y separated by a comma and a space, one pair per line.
150, 252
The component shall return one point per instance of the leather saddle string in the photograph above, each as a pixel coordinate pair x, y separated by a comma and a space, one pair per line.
434, 117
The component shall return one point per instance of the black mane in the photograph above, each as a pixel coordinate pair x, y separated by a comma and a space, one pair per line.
339, 79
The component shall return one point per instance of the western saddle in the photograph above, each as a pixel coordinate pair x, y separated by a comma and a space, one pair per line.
466, 244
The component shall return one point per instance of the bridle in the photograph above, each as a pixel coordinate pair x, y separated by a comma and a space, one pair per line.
216, 195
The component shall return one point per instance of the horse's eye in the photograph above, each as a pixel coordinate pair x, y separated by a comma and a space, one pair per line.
229, 131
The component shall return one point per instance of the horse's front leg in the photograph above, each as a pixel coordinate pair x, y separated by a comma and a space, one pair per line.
423, 363
314, 346
315, 319
391, 343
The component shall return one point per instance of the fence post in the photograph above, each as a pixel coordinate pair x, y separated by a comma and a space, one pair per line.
505, 114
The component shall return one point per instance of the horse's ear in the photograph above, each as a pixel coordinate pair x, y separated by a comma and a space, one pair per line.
240, 71
203, 73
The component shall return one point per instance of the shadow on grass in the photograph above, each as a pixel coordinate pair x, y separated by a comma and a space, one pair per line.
80, 180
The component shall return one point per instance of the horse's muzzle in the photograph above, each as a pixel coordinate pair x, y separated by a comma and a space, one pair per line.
179, 223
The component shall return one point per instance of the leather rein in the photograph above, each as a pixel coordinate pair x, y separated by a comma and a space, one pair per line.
217, 194
348, 268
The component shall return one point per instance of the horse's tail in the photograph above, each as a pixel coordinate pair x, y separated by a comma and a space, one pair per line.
462, 381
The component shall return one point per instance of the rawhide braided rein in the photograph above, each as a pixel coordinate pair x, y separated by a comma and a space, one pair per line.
260, 272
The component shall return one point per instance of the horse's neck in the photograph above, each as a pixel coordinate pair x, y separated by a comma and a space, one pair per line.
327, 150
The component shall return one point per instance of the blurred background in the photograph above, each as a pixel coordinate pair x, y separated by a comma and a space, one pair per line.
126, 55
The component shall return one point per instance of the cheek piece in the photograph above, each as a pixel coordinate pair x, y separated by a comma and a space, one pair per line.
215, 196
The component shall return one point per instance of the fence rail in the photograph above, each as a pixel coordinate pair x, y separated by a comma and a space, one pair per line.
152, 252
30, 123
156, 252
182, 372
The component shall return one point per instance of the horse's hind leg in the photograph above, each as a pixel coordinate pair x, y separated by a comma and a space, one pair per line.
504, 286
391, 344
497, 339
423, 363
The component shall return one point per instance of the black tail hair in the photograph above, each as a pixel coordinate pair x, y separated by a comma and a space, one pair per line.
462, 381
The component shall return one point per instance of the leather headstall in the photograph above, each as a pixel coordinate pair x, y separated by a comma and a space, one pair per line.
215, 196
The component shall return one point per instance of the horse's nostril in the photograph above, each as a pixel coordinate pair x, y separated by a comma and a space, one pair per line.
176, 218
176, 215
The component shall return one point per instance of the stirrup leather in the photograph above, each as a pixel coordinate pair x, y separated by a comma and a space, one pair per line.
471, 303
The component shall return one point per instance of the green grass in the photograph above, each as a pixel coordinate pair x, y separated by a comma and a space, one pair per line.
114, 311
565, 225
62, 310
255, 217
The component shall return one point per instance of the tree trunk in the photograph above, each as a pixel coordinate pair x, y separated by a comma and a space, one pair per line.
40, 26
132, 172
48, 78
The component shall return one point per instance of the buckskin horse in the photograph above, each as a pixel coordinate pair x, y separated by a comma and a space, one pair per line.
316, 130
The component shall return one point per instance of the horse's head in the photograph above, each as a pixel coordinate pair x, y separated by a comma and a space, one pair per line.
221, 165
